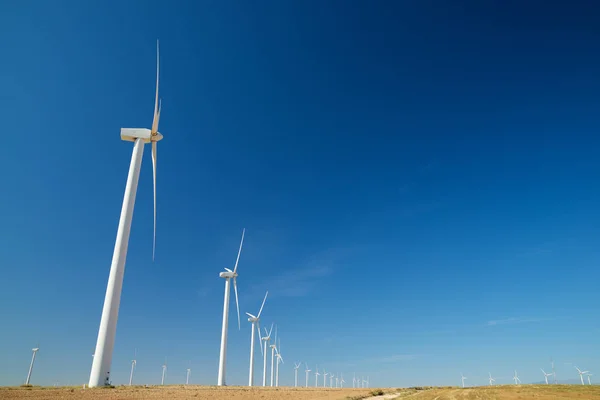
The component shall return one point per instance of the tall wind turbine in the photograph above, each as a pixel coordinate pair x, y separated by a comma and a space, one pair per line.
187, 378
317, 377
307, 371
492, 380
273, 348
581, 373
354, 380
336, 381
342, 381
133, 364
35, 350
296, 366
164, 370
589, 380
330, 380
462, 378
255, 320
266, 340
546, 375
100, 374
228, 275
325, 378
516, 378
553, 372
279, 360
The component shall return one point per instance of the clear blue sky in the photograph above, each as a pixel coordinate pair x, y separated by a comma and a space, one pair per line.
418, 181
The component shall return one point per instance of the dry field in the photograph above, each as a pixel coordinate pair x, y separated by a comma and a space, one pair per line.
538, 392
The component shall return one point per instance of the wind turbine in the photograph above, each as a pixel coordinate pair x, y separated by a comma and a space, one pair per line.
307, 371
462, 378
100, 374
255, 320
516, 378
273, 348
589, 381
317, 377
279, 359
330, 380
581, 373
354, 380
492, 380
228, 275
187, 378
296, 366
266, 340
35, 350
164, 370
336, 381
133, 364
553, 372
546, 375
342, 381
325, 378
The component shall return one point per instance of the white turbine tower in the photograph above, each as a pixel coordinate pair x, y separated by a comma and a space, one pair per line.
273, 348
581, 373
133, 364
589, 380
34, 350
492, 380
164, 371
354, 380
342, 381
317, 376
279, 360
325, 377
100, 374
228, 275
337, 379
546, 375
255, 320
553, 372
187, 378
330, 380
307, 371
516, 378
266, 339
462, 378
296, 366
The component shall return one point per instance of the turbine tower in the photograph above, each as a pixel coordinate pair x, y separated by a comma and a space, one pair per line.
492, 380
273, 348
336, 381
255, 320
546, 375
266, 340
553, 372
164, 370
342, 381
330, 380
187, 378
516, 378
100, 374
307, 371
317, 376
34, 350
228, 275
133, 364
325, 378
581, 373
589, 380
462, 378
354, 380
296, 366
279, 360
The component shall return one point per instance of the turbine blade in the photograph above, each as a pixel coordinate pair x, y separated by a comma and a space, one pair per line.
263, 304
250, 315
270, 330
154, 155
239, 251
237, 305
259, 338
228, 270
156, 102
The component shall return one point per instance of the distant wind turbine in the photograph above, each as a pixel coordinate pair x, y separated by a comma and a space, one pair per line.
279, 360
325, 378
342, 381
331, 380
516, 378
35, 350
492, 380
187, 377
589, 380
164, 370
317, 377
133, 364
228, 275
553, 372
337, 379
462, 379
546, 375
307, 371
100, 374
296, 366
354, 380
255, 320
266, 339
581, 373
273, 348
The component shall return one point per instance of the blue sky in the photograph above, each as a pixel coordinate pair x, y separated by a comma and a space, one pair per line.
418, 182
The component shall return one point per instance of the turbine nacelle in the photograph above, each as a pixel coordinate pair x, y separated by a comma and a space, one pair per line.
228, 274
131, 134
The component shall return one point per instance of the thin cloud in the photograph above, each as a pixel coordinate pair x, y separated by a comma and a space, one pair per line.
511, 321
395, 358
296, 282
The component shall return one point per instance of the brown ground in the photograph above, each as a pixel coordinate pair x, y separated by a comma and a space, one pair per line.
538, 392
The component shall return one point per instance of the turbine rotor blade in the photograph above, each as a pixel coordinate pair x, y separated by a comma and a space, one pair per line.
154, 156
263, 304
237, 305
239, 251
250, 315
270, 330
260, 344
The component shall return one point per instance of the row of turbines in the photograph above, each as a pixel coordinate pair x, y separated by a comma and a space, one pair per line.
339, 379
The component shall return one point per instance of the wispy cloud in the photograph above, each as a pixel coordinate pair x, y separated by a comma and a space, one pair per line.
297, 282
394, 358
510, 321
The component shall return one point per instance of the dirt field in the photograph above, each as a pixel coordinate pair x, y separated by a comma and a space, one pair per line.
538, 392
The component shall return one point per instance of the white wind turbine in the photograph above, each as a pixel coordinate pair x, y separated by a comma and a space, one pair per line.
100, 374
296, 366
187, 378
462, 378
492, 380
553, 372
273, 348
266, 340
354, 380
325, 378
228, 275
307, 371
589, 380
133, 364
342, 381
546, 375
516, 378
255, 320
581, 373
279, 360
317, 374
164, 371
337, 379
330, 380
34, 350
